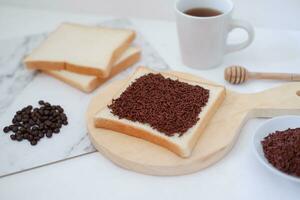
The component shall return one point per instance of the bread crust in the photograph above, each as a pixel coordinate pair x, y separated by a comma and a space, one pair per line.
98, 81
87, 70
139, 133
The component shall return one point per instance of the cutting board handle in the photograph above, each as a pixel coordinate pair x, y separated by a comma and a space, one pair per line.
282, 100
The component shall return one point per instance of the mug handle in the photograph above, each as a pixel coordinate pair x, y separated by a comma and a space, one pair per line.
243, 25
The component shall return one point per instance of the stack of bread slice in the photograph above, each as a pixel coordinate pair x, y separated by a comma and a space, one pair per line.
84, 56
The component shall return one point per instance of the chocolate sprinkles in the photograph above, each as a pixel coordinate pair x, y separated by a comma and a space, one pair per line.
282, 150
169, 106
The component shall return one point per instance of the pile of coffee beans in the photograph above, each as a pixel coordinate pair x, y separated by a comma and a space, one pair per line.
282, 150
33, 124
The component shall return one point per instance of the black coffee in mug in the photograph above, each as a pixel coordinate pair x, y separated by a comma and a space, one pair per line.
203, 27
203, 12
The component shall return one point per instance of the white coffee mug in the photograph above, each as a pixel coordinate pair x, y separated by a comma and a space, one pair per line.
203, 40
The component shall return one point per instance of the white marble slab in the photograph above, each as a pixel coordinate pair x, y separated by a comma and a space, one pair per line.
20, 87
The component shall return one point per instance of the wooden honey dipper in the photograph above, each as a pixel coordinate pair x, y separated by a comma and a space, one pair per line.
237, 74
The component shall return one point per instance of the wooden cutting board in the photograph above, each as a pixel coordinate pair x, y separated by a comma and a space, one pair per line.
216, 141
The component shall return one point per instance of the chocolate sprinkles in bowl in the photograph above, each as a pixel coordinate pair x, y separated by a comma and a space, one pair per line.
282, 150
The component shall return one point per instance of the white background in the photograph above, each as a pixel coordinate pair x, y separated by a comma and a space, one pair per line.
264, 13
238, 176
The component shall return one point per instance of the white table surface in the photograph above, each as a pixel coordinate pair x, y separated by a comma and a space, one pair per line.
238, 176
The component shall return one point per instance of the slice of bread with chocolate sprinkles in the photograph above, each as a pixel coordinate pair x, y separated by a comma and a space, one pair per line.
163, 109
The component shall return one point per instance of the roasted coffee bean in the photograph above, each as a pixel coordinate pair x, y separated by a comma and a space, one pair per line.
46, 112
25, 116
33, 142
34, 133
41, 102
14, 120
60, 109
13, 137
48, 123
49, 134
34, 118
37, 138
19, 124
22, 129
14, 129
18, 118
41, 135
56, 130
29, 137
47, 104
31, 122
19, 138
40, 111
6, 129
44, 118
26, 126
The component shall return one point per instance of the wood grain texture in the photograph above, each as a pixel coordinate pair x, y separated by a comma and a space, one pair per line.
216, 141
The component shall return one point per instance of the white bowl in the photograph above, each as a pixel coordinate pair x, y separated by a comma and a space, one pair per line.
277, 123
